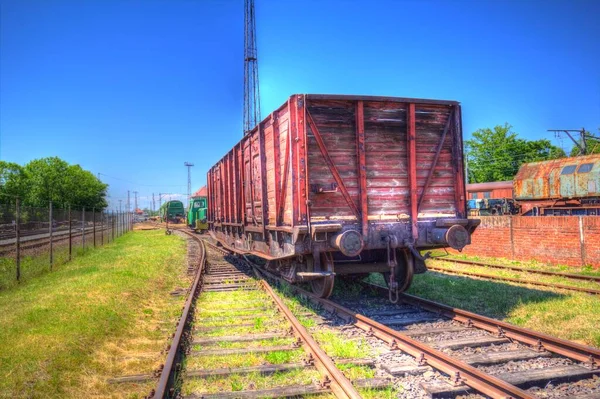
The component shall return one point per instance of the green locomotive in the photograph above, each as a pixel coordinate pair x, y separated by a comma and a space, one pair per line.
197, 214
173, 211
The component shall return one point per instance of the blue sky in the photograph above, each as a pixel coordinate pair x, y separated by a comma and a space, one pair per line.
132, 89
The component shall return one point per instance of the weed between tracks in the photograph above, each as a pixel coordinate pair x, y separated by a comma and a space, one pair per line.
334, 343
65, 333
225, 310
252, 381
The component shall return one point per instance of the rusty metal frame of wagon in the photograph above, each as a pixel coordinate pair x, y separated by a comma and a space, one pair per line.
268, 193
459, 371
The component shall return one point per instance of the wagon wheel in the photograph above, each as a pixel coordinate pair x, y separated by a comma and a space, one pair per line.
404, 270
321, 287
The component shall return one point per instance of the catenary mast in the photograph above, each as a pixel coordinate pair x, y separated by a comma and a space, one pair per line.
251, 86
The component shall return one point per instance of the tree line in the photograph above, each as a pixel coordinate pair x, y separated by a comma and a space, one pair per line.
51, 179
497, 154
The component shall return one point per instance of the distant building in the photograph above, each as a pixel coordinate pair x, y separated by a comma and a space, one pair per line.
202, 192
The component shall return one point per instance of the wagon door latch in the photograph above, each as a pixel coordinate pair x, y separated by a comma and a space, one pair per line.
393, 293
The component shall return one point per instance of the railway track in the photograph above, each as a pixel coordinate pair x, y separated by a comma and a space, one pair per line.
57, 238
233, 325
230, 319
518, 280
523, 269
476, 353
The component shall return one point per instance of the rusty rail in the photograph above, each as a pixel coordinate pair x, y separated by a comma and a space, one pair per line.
340, 385
539, 341
514, 280
170, 367
524, 269
460, 371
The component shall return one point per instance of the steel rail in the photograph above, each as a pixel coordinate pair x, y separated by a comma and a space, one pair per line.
168, 371
537, 340
524, 269
514, 280
459, 371
339, 385
46, 239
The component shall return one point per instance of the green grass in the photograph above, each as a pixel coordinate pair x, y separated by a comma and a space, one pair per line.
62, 332
572, 316
252, 381
522, 275
387, 393
338, 346
331, 341
243, 360
36, 261
532, 264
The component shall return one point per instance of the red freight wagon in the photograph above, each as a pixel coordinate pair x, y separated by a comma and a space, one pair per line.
344, 185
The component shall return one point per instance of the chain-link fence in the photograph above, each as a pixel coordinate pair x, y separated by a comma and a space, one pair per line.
34, 240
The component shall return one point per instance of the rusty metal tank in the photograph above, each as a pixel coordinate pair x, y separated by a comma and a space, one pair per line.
566, 178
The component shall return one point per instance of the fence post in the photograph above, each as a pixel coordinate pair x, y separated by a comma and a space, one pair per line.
50, 233
83, 228
101, 228
113, 226
70, 235
94, 224
18, 239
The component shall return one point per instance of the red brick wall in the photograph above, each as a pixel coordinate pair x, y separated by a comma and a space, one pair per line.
566, 240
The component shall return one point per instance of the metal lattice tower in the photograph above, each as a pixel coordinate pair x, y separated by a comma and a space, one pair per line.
135, 193
189, 167
251, 86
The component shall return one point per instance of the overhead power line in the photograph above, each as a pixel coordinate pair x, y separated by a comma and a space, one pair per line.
142, 185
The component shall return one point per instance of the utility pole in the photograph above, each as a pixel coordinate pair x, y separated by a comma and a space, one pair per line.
128, 202
251, 86
159, 200
581, 144
189, 188
153, 203
135, 193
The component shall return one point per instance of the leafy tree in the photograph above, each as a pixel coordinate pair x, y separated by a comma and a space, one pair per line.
52, 179
13, 180
496, 154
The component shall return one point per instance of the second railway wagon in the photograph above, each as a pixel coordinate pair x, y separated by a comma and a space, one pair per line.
344, 185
